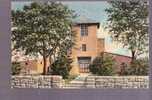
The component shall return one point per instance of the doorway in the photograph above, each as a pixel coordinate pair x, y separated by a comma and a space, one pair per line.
84, 63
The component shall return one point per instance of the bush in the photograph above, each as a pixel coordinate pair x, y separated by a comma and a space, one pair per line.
16, 68
103, 65
61, 66
123, 69
137, 67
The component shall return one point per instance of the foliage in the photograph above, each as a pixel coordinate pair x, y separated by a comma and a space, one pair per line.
16, 68
42, 28
123, 69
137, 67
128, 24
103, 65
61, 66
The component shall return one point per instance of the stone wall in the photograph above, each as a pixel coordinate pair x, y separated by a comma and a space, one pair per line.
117, 82
36, 82
89, 82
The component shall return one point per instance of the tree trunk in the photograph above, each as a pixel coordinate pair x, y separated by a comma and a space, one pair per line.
44, 65
133, 56
44, 60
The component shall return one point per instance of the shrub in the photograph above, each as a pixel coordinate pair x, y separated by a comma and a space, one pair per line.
61, 66
137, 67
16, 68
103, 65
124, 69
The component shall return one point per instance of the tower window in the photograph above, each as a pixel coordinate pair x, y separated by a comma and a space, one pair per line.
84, 30
26, 63
84, 47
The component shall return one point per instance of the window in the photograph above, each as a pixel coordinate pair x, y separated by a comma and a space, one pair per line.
84, 47
26, 63
84, 64
84, 30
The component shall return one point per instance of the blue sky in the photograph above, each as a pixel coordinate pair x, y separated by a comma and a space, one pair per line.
92, 10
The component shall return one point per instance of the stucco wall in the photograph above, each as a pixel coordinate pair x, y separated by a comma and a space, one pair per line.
119, 59
32, 66
101, 45
90, 41
93, 47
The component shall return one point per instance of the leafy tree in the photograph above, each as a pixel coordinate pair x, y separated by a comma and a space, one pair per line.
103, 65
42, 28
16, 68
62, 62
128, 24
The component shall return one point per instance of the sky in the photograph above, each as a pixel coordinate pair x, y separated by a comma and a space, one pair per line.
95, 11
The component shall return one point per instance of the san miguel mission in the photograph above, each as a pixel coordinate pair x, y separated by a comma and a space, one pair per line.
88, 47
48, 45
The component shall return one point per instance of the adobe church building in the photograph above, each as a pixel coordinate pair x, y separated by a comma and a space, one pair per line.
87, 47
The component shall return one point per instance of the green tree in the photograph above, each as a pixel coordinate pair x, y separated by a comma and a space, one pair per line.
62, 61
103, 65
16, 68
42, 28
128, 24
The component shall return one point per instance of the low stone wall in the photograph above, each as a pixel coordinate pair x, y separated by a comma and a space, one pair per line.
122, 82
36, 82
117, 82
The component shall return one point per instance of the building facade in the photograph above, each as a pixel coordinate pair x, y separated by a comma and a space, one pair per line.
119, 59
87, 47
